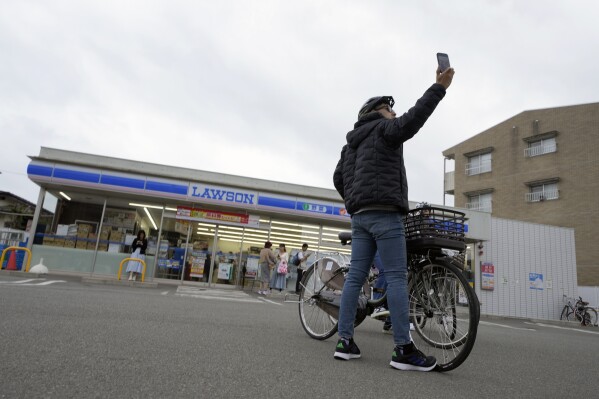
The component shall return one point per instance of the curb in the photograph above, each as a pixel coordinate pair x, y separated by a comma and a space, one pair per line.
17, 273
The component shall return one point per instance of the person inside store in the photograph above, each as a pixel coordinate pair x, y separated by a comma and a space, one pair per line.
303, 259
207, 264
278, 279
267, 264
371, 178
138, 248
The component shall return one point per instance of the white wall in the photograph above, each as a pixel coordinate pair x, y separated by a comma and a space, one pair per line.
517, 249
590, 295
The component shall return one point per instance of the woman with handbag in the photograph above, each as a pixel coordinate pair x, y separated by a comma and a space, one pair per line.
278, 279
138, 248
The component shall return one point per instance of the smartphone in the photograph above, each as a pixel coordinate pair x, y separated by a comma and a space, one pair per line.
443, 61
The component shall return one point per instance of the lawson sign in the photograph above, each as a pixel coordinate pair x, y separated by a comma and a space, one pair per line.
222, 194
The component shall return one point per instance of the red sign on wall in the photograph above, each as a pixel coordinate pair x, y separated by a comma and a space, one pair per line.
487, 276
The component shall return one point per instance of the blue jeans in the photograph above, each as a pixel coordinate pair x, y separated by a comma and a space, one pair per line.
380, 283
382, 231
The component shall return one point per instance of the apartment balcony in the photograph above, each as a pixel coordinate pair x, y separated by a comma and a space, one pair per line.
542, 196
449, 182
483, 206
539, 150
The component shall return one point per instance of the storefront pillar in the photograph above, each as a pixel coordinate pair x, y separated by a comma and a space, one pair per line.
98, 236
36, 218
213, 257
184, 266
158, 241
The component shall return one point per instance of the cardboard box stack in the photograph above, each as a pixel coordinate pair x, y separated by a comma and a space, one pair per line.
116, 236
70, 241
83, 231
91, 241
104, 237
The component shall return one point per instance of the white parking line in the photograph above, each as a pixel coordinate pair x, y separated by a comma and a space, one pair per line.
249, 300
17, 282
565, 328
46, 283
27, 282
486, 323
269, 301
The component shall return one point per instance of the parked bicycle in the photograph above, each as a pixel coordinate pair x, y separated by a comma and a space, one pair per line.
442, 305
578, 310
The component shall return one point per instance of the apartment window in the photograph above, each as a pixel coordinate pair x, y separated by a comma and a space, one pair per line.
540, 147
542, 192
480, 202
478, 164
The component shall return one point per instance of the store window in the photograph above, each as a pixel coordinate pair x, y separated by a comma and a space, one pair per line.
70, 241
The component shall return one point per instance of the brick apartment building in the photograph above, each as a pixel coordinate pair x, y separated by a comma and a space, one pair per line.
540, 166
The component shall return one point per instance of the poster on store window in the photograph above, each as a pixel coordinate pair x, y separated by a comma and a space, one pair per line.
225, 271
487, 276
251, 266
198, 259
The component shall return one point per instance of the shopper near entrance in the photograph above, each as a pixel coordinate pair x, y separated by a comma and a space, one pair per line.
138, 248
371, 178
303, 259
278, 280
267, 264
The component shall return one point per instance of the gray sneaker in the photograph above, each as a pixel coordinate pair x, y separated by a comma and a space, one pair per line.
380, 313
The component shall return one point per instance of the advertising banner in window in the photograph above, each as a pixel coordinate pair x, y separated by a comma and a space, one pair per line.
228, 218
487, 276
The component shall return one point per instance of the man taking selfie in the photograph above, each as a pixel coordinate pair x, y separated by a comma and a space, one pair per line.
371, 179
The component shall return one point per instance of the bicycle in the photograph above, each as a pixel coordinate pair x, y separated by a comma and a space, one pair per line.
443, 307
579, 312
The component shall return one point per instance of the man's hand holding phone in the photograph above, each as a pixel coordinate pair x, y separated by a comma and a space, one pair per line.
444, 78
444, 71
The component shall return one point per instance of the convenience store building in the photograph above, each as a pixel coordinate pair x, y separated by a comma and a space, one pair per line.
212, 227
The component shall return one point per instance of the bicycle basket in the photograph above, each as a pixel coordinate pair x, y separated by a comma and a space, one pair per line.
430, 227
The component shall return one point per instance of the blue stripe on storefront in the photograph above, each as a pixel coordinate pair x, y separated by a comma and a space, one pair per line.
122, 181
276, 202
166, 187
76, 175
39, 170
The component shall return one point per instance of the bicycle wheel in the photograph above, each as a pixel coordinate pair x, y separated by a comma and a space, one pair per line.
573, 316
317, 323
564, 315
590, 317
446, 311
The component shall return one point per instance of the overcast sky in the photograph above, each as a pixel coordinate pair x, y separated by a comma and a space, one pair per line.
268, 89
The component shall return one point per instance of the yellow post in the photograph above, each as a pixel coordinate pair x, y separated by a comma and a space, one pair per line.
17, 248
143, 274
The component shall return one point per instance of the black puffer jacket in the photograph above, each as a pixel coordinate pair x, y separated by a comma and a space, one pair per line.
371, 170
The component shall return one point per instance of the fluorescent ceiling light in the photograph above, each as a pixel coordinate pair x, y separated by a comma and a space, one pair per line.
151, 206
150, 217
64, 195
310, 226
207, 224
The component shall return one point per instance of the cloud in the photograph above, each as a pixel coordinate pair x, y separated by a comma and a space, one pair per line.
269, 89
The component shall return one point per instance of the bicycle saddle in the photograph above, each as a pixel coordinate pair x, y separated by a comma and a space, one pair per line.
344, 237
